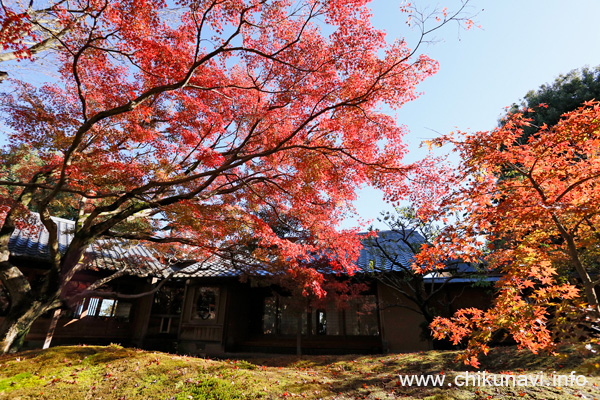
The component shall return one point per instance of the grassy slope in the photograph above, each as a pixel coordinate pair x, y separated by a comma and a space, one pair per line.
94, 372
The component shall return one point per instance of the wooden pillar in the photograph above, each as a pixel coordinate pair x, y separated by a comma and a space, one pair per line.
381, 320
299, 334
184, 316
141, 317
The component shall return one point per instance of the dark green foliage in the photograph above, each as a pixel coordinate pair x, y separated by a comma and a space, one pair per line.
565, 94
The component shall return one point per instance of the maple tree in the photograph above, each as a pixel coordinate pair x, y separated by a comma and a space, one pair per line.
530, 210
178, 126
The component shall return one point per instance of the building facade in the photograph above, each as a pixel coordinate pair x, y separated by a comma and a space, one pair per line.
211, 312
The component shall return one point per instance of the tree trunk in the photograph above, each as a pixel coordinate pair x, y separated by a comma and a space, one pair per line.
588, 285
26, 306
17, 323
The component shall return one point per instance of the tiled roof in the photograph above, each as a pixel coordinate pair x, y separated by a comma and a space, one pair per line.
33, 242
398, 255
213, 267
116, 254
106, 254
372, 258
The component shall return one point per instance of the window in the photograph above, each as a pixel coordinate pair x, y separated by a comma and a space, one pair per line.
321, 319
281, 314
123, 310
205, 304
270, 318
289, 313
79, 309
99, 307
359, 318
168, 301
107, 308
327, 321
92, 308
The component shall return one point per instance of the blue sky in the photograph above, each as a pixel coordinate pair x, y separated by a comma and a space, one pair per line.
520, 46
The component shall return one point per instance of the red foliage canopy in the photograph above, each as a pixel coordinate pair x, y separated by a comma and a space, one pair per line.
530, 210
179, 126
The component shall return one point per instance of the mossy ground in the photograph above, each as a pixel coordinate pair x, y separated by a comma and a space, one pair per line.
113, 372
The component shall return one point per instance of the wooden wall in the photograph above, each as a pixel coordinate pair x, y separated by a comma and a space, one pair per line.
202, 336
402, 328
